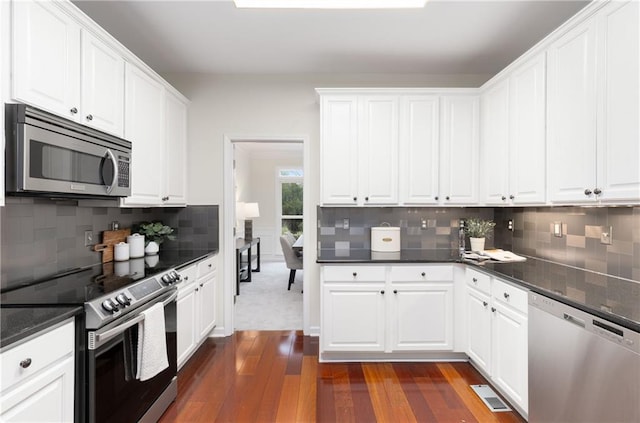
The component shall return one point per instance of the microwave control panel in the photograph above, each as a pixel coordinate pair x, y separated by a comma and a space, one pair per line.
123, 173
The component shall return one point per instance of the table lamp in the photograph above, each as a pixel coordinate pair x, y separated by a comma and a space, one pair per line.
251, 210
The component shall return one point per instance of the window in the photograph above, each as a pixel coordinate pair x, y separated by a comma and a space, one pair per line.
291, 195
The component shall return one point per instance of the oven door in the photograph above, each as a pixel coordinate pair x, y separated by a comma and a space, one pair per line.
114, 394
54, 162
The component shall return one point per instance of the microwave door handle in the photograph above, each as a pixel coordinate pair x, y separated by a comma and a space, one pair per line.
110, 154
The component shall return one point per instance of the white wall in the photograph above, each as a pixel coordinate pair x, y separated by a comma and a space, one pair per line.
270, 104
242, 177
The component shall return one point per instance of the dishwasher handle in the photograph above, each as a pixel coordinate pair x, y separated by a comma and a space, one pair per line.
573, 319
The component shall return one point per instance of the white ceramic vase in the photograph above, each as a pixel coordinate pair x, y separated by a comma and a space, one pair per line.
151, 248
477, 244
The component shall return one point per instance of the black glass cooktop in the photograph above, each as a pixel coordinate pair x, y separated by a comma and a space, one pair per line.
82, 285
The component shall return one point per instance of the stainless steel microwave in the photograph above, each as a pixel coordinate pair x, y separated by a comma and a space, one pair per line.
47, 155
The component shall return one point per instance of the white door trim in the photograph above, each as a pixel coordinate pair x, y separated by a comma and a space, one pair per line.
228, 220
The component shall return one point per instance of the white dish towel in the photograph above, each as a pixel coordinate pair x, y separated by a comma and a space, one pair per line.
152, 344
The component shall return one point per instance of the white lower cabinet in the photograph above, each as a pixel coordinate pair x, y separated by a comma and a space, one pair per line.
196, 306
497, 334
38, 378
387, 308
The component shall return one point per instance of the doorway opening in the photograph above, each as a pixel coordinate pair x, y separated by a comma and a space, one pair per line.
269, 172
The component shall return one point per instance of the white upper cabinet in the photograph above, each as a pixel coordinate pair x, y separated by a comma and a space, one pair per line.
527, 138
594, 153
102, 86
419, 148
339, 150
359, 149
144, 107
459, 144
64, 69
46, 58
513, 137
175, 151
571, 129
618, 168
494, 106
378, 146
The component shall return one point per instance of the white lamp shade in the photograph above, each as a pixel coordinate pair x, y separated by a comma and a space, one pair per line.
251, 210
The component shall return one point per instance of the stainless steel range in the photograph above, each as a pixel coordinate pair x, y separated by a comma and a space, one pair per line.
108, 383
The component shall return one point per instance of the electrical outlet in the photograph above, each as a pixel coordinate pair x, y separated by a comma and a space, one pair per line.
557, 229
423, 223
88, 238
345, 223
510, 225
606, 236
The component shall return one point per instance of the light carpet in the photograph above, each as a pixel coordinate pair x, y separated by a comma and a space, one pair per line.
265, 304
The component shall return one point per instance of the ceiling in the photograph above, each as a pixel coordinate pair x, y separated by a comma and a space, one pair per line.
446, 37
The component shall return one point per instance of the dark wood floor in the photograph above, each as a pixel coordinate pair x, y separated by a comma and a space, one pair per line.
274, 376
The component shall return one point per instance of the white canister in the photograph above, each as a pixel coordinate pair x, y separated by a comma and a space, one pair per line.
121, 251
385, 238
136, 245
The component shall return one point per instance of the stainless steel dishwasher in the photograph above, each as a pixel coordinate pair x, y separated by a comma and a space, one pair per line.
581, 368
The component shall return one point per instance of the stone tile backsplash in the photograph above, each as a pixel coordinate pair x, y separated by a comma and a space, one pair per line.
441, 230
579, 245
42, 237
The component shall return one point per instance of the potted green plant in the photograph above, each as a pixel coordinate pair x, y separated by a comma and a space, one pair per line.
155, 233
478, 230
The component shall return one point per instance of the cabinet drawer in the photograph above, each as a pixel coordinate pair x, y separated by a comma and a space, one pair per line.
189, 274
478, 280
42, 351
207, 266
509, 294
421, 273
354, 273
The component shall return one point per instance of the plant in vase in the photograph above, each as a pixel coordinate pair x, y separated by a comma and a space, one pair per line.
155, 233
478, 230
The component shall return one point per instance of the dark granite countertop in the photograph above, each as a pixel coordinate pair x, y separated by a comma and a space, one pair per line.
327, 256
612, 298
608, 297
19, 323
20, 320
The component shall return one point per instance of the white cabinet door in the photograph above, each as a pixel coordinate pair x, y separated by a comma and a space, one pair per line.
339, 150
175, 151
378, 150
571, 129
102, 86
479, 329
48, 397
208, 304
510, 353
46, 57
421, 317
527, 175
419, 149
494, 105
459, 150
187, 321
144, 103
353, 317
618, 123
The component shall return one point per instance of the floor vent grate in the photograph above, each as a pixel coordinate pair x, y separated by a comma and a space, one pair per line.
490, 399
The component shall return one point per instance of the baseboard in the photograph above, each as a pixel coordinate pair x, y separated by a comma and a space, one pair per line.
313, 331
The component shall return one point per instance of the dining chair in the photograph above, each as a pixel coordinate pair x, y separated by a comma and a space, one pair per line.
293, 262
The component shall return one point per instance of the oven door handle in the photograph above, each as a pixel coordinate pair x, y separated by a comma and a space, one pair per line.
101, 337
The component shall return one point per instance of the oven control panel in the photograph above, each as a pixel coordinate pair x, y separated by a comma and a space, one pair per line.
115, 304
